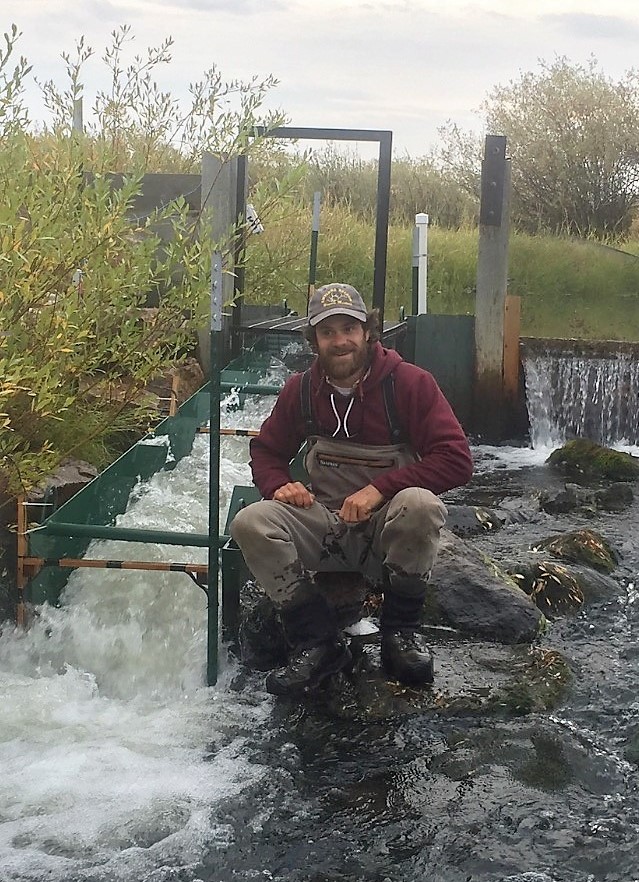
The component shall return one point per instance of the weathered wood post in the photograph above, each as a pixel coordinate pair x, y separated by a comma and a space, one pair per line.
490, 412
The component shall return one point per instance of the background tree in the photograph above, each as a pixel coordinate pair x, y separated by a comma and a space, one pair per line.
573, 135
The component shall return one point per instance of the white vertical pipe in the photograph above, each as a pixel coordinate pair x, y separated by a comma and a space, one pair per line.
421, 253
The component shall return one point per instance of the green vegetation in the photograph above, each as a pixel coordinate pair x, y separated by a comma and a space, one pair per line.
569, 287
77, 269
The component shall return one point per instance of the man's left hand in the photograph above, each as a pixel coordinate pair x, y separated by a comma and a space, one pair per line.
361, 505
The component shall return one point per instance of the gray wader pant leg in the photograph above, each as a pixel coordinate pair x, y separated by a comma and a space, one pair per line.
282, 543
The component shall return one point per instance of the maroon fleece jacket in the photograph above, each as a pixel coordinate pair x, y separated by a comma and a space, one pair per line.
426, 417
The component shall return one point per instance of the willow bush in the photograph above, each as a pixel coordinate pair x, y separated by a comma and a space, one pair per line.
76, 269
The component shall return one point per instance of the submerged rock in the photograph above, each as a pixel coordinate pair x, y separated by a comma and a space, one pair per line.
616, 497
470, 677
472, 520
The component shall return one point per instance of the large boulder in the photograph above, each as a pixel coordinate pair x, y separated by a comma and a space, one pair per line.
470, 593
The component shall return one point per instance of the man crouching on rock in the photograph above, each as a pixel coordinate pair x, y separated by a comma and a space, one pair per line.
382, 442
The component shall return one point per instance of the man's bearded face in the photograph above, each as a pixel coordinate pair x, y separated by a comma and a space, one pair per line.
342, 348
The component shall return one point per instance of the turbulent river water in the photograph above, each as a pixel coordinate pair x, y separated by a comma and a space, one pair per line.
119, 765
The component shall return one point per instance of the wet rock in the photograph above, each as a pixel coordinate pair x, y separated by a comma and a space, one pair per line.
472, 520
471, 593
617, 497
581, 547
585, 458
569, 499
574, 497
470, 677
631, 750
558, 588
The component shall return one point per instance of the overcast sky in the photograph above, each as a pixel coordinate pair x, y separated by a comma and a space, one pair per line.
404, 65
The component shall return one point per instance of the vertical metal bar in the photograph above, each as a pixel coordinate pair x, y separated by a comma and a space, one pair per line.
312, 268
214, 471
415, 274
381, 227
22, 553
239, 254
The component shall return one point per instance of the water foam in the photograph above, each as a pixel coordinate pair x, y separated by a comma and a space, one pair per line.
113, 749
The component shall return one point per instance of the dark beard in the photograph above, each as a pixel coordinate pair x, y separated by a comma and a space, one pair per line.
337, 369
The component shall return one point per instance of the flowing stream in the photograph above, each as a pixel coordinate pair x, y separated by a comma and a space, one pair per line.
119, 765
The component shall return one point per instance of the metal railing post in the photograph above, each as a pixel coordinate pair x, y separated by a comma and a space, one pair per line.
214, 471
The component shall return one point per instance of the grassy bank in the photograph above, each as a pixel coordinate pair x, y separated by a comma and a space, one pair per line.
568, 287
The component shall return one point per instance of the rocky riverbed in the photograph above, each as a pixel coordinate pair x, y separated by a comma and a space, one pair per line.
521, 763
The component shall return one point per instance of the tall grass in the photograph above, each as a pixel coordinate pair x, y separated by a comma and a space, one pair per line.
568, 287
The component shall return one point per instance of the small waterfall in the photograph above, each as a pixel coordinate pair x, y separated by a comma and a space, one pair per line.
584, 394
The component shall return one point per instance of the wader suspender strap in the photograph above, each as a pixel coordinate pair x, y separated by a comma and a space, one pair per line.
305, 398
388, 390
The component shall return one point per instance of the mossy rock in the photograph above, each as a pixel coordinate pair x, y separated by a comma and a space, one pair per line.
585, 458
581, 547
552, 587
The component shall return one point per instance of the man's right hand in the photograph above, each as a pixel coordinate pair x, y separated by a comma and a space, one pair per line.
294, 493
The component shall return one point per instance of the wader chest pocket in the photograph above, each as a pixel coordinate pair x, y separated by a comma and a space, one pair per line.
335, 462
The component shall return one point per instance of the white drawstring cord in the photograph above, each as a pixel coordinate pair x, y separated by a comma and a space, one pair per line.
337, 416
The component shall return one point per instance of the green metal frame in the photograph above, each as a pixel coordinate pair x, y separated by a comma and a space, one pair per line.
91, 513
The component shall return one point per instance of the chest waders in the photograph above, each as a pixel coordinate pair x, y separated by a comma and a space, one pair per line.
337, 468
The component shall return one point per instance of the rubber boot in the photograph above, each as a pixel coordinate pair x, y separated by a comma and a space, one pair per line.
317, 650
405, 654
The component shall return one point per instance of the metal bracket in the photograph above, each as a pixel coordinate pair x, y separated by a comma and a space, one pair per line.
492, 180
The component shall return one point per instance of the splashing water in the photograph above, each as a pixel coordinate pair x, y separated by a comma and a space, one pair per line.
106, 720
569, 396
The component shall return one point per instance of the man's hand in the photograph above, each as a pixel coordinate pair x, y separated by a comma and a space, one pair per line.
294, 493
360, 506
